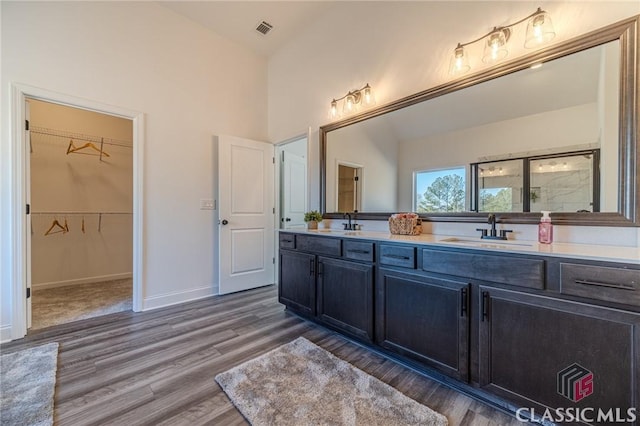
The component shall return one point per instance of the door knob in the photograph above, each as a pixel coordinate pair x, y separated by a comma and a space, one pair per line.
225, 221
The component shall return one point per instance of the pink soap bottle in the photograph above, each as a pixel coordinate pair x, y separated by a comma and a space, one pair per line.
545, 229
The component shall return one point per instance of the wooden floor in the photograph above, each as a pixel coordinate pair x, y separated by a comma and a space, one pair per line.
158, 367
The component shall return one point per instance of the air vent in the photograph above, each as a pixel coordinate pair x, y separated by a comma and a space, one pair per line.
264, 27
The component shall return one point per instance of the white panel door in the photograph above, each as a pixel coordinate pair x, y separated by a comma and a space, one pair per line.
294, 190
246, 215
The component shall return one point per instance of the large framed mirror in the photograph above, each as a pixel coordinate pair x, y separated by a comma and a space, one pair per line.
412, 154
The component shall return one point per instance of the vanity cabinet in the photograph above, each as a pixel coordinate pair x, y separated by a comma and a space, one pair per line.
297, 288
318, 281
527, 343
345, 296
521, 330
425, 319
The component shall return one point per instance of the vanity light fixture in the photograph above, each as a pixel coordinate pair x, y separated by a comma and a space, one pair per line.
352, 102
539, 31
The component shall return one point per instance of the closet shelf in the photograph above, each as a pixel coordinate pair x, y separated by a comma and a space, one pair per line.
78, 213
80, 136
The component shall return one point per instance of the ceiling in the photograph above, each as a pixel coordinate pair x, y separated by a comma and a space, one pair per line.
237, 20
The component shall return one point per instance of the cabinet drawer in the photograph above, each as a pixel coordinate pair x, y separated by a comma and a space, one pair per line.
498, 269
319, 245
358, 250
603, 283
398, 256
287, 241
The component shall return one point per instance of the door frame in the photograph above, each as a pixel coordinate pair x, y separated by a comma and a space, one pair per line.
20, 255
278, 153
359, 186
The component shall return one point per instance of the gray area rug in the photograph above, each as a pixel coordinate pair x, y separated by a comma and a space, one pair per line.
27, 384
302, 384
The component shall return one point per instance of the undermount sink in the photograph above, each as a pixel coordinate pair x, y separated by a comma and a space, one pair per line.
486, 243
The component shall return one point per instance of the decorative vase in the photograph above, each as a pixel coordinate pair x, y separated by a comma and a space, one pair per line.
312, 224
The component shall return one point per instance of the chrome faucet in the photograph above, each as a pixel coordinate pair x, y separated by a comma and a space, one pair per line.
492, 234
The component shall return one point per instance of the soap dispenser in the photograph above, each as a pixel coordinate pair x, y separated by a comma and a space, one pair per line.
545, 229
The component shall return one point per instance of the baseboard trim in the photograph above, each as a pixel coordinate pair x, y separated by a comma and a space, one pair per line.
5, 333
77, 281
176, 297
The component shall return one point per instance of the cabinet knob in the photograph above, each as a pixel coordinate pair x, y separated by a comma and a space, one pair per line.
225, 222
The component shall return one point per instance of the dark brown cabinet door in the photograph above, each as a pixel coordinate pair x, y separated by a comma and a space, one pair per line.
424, 318
559, 354
345, 296
297, 287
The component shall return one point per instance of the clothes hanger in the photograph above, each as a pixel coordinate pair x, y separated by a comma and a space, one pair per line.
73, 148
57, 225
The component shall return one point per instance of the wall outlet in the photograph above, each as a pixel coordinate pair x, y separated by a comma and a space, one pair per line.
207, 204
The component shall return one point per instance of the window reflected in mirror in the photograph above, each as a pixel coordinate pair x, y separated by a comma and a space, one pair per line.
565, 183
440, 191
500, 186
561, 182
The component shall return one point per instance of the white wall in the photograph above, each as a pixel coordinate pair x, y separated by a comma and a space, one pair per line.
189, 83
78, 182
403, 48
373, 148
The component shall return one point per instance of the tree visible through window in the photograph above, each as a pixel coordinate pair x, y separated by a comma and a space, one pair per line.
496, 200
440, 191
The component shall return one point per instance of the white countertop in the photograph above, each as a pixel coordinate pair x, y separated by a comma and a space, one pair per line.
579, 251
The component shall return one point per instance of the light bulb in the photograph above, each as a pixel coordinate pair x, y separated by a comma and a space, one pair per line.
333, 110
367, 97
349, 104
539, 30
459, 61
495, 48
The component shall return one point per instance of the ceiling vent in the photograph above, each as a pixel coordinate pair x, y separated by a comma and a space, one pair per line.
264, 27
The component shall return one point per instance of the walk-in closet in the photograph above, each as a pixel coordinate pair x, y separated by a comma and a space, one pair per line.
81, 196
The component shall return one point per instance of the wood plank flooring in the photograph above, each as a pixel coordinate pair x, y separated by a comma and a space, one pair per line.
158, 367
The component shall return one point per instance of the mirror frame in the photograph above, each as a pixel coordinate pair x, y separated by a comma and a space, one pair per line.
626, 32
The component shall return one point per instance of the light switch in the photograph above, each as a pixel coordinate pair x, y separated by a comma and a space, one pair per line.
207, 204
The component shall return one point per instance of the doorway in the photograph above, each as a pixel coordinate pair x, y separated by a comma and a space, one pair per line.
80, 187
349, 187
292, 175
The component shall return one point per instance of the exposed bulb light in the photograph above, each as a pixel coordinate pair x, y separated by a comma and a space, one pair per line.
352, 102
368, 98
539, 31
495, 49
459, 61
333, 110
349, 106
